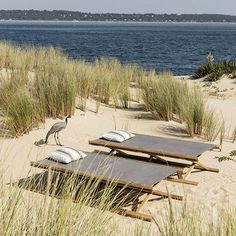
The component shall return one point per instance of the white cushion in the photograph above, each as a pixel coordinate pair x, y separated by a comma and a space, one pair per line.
117, 136
113, 137
75, 154
66, 155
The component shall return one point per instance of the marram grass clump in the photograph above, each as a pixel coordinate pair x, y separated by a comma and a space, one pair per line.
195, 220
49, 84
193, 110
168, 98
214, 72
52, 85
163, 95
17, 107
55, 91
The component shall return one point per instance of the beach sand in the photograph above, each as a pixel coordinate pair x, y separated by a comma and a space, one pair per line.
214, 189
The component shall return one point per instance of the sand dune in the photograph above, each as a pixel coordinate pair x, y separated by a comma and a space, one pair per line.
213, 189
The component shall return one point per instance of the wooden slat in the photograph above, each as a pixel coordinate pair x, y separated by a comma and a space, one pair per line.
182, 181
147, 159
204, 167
189, 171
180, 174
164, 194
145, 200
161, 160
134, 214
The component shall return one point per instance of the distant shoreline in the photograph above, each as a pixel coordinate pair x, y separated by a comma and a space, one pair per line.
118, 22
63, 15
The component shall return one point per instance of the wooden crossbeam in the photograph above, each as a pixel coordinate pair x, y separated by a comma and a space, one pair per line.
182, 181
145, 200
189, 171
201, 166
160, 160
135, 214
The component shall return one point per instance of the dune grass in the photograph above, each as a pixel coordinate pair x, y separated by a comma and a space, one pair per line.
233, 136
213, 72
171, 99
211, 125
191, 220
17, 106
193, 110
158, 96
52, 85
49, 84
163, 96
55, 91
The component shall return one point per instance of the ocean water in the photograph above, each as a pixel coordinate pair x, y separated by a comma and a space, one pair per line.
178, 47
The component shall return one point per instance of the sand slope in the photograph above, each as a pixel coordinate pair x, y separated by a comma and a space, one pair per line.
213, 189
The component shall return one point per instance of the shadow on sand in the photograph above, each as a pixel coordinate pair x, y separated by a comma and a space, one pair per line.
55, 185
174, 130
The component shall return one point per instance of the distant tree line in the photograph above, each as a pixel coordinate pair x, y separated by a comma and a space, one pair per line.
81, 16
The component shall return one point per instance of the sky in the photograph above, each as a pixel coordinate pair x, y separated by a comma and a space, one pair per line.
127, 6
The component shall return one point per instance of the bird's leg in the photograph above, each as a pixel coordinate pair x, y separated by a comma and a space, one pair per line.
55, 138
58, 139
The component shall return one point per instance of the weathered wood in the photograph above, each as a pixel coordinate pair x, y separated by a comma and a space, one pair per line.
164, 194
180, 174
134, 214
161, 160
198, 165
149, 190
189, 171
114, 167
158, 160
201, 166
182, 181
145, 200
217, 147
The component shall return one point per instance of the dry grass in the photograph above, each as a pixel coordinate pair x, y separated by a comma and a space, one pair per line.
234, 135
50, 84
45, 83
189, 219
193, 111
163, 95
193, 221
168, 98
211, 125
68, 206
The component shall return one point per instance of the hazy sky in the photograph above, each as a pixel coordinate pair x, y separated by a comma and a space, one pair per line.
127, 6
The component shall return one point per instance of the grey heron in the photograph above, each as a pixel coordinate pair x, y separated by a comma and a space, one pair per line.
55, 129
